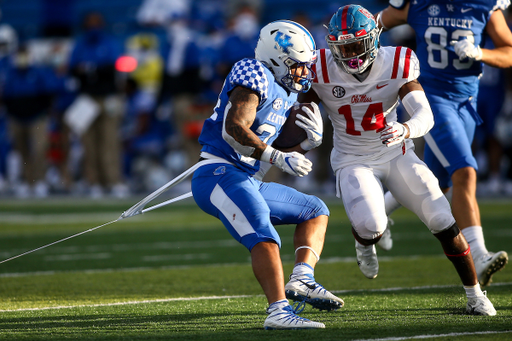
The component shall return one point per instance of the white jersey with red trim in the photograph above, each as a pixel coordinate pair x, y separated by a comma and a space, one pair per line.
359, 110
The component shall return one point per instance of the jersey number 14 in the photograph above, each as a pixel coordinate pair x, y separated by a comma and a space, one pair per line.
368, 122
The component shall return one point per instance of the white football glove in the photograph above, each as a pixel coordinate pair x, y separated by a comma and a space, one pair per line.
313, 125
466, 49
293, 163
393, 134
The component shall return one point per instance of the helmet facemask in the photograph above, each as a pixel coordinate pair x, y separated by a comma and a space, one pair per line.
354, 55
353, 38
296, 80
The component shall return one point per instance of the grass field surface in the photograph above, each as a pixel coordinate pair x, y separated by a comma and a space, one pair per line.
176, 274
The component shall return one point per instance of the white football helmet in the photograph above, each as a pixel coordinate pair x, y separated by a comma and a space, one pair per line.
283, 44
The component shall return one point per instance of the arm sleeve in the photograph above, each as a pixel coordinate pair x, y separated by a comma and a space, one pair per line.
422, 119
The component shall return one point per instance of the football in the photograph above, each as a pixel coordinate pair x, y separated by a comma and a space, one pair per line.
291, 134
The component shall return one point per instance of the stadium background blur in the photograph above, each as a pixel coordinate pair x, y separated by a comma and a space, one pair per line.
173, 57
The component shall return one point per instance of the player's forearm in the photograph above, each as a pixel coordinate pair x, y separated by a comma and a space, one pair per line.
240, 115
500, 57
244, 141
391, 17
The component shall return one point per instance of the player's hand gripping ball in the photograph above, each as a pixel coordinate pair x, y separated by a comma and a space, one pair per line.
307, 127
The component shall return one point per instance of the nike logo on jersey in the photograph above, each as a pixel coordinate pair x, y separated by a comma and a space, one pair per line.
310, 286
381, 86
464, 10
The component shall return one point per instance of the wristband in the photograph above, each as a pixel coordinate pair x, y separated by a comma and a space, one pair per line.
269, 155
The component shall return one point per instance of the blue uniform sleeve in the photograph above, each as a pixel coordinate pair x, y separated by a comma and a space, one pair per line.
501, 4
398, 4
250, 73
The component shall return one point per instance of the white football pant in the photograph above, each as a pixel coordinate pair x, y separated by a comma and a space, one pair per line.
407, 178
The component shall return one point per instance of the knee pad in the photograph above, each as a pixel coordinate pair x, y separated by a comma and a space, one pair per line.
448, 234
437, 214
369, 231
453, 242
365, 241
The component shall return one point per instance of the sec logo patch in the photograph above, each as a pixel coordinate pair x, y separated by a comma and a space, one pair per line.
278, 104
338, 91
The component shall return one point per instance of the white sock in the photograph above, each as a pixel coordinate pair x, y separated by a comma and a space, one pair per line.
475, 291
302, 269
475, 237
390, 202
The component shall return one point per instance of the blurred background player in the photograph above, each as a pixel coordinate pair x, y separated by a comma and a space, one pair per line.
92, 62
359, 84
27, 95
248, 117
451, 60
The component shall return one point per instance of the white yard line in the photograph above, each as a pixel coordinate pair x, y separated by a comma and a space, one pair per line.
433, 336
133, 302
225, 243
234, 297
80, 256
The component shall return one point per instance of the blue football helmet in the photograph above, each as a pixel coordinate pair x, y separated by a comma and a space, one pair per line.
283, 46
353, 38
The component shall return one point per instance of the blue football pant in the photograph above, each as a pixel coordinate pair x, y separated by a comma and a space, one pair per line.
448, 144
249, 208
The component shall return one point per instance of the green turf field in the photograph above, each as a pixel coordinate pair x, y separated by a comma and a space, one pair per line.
176, 274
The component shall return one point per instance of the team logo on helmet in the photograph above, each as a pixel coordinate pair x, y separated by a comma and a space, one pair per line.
365, 12
283, 41
338, 91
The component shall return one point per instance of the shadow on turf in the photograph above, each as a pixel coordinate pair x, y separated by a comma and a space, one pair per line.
125, 323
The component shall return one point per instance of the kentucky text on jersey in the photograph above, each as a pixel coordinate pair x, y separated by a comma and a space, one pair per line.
450, 22
275, 118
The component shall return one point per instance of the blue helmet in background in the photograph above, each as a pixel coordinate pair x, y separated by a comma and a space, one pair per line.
353, 38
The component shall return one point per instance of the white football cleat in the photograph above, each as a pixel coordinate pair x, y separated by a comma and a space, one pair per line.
285, 318
489, 264
386, 242
480, 306
305, 289
367, 260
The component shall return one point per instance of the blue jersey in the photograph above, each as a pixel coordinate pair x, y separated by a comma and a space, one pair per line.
271, 113
437, 23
